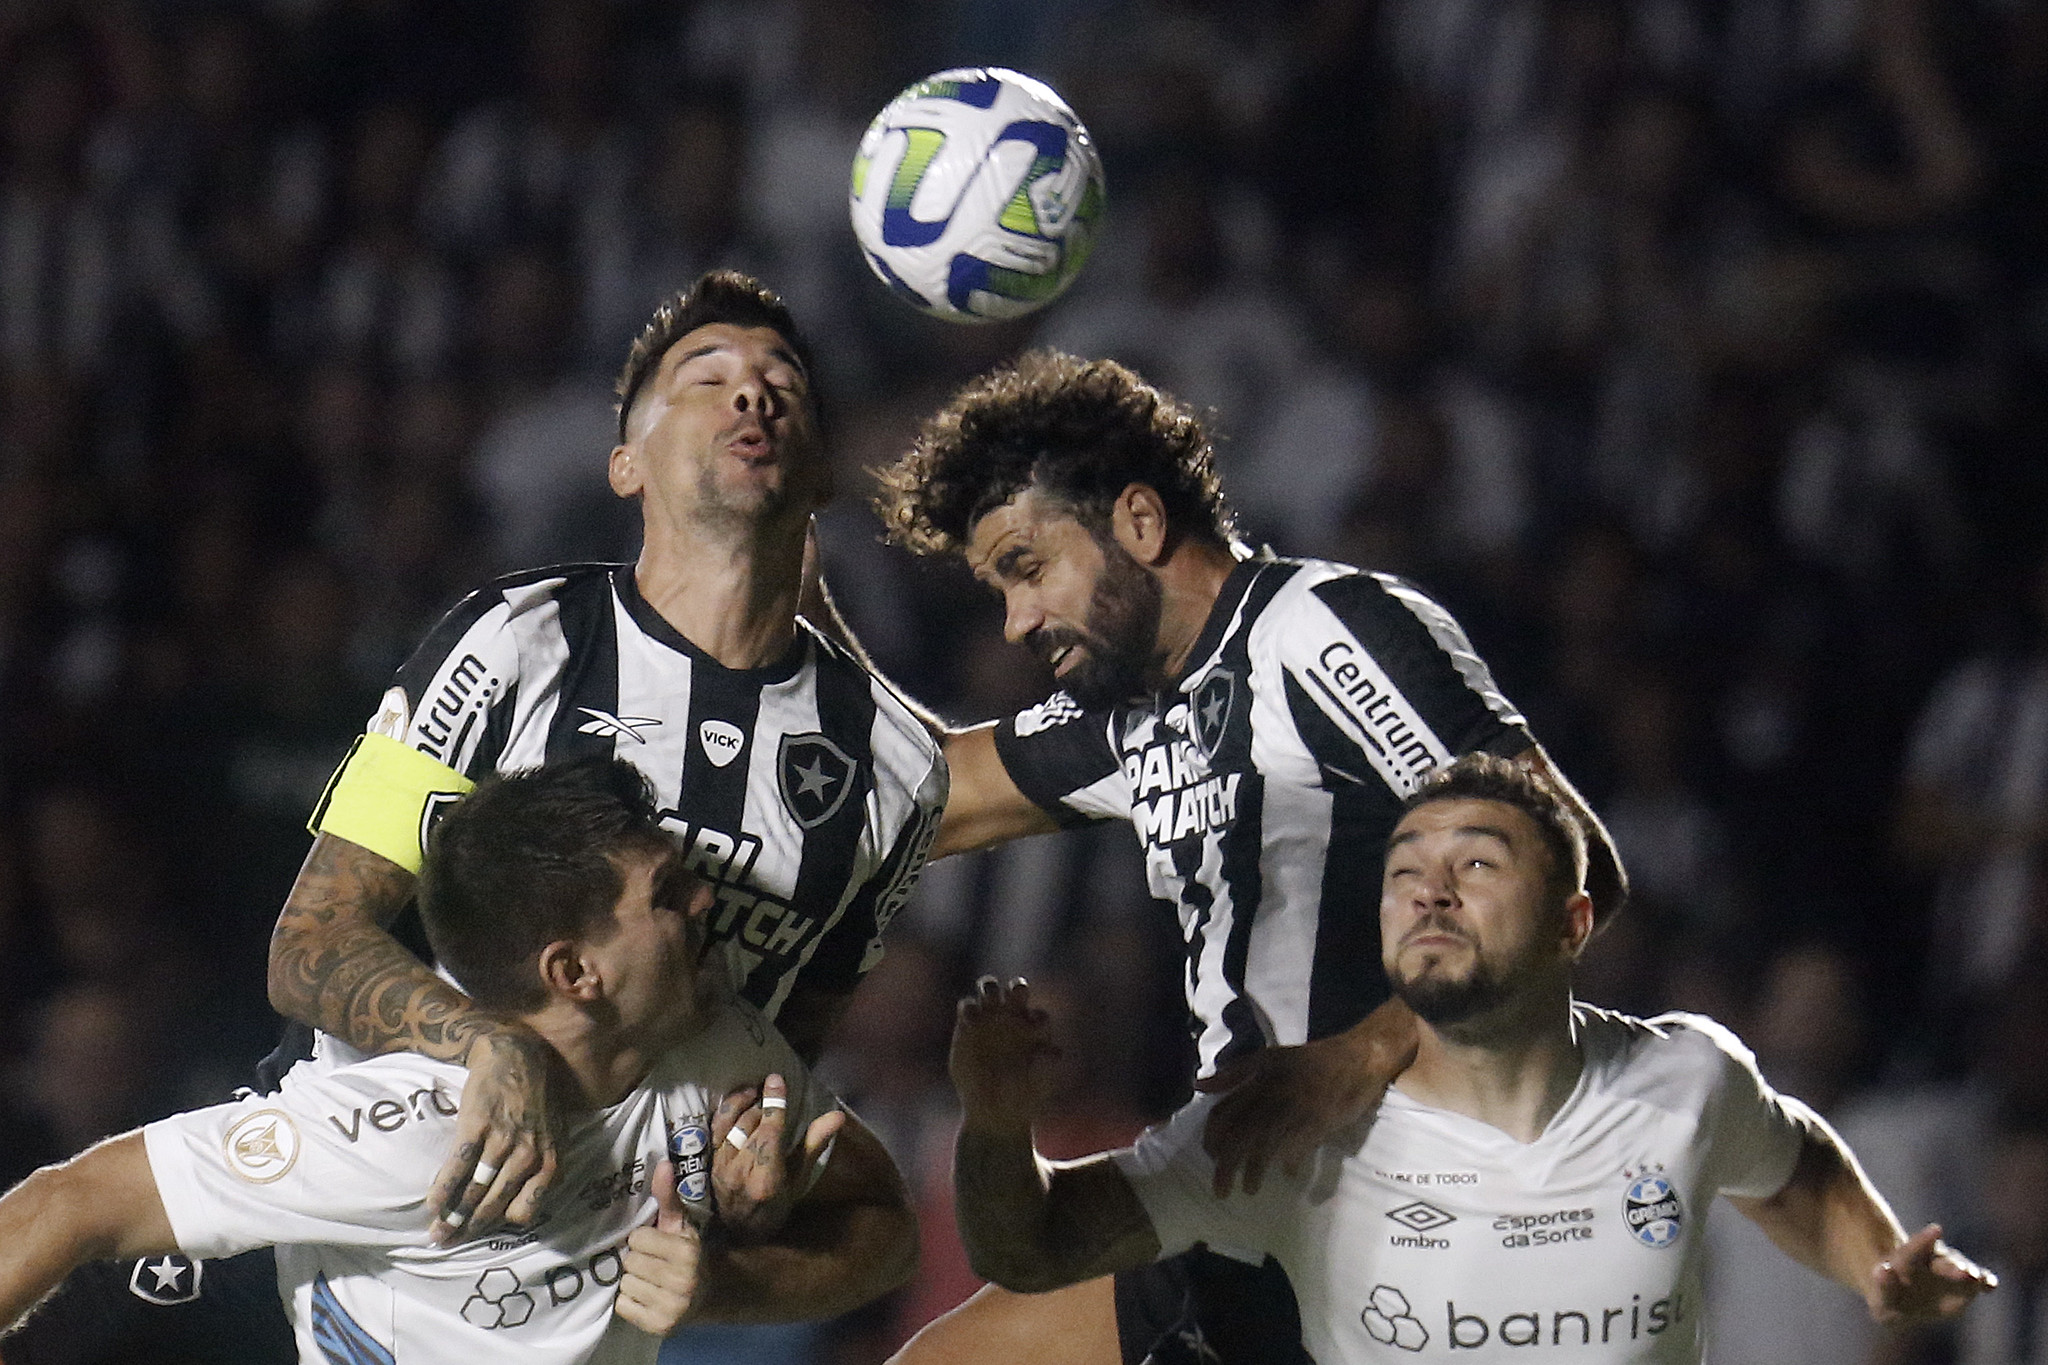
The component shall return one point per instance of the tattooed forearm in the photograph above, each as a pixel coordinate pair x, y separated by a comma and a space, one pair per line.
1032, 1227
334, 966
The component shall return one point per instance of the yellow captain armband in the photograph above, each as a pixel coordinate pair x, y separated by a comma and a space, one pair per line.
385, 797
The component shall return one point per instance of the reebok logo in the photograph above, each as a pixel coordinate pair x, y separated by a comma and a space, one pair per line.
624, 727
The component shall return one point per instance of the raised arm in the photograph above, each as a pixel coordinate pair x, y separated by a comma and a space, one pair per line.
1029, 1224
1830, 1218
100, 1205
334, 965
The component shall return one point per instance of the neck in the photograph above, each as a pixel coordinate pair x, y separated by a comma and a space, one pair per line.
731, 594
1511, 1068
599, 1060
1190, 581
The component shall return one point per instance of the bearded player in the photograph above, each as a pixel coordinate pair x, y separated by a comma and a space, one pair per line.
1258, 721
1540, 1176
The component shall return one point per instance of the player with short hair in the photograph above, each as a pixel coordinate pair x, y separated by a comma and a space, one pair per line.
804, 792
1538, 1177
556, 897
1258, 720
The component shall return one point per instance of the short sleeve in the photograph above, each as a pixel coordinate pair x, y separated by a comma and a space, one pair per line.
1064, 758
326, 1160
1381, 679
1754, 1133
462, 676
1173, 1178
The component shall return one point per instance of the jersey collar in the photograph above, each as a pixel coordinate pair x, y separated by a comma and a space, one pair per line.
656, 628
1218, 623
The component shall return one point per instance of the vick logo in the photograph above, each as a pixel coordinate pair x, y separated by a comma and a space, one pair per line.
722, 741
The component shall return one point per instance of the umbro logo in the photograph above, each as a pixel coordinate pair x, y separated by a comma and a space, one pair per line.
624, 727
1421, 1217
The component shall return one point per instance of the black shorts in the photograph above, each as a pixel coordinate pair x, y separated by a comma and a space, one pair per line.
169, 1309
1203, 1307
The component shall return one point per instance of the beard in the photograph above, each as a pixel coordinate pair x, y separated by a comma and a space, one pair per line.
1120, 639
1444, 1001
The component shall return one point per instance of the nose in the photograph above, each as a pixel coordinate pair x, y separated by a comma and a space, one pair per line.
1021, 615
1436, 890
754, 394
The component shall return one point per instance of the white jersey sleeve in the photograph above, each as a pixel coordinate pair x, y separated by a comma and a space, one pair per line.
1753, 1133
1173, 1178
294, 1167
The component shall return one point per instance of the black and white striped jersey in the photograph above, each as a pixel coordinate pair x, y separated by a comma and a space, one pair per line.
1264, 783
804, 790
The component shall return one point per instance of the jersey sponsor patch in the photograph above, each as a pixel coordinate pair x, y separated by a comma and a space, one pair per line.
1391, 1321
498, 1301
166, 1280
262, 1146
722, 741
814, 776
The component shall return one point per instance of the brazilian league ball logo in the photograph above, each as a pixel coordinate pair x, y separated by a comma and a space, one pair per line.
1653, 1212
689, 1146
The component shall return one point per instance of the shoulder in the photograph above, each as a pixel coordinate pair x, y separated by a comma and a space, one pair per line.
1675, 1059
904, 747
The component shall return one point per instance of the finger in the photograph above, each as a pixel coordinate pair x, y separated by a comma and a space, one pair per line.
458, 1216
668, 1205
729, 1109
823, 1129
648, 1307
525, 1205
453, 1177
766, 1138
521, 1164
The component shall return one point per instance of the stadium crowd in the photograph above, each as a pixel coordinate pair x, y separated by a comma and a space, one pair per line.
1692, 351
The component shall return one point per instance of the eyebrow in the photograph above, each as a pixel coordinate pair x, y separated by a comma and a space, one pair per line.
1487, 831
781, 353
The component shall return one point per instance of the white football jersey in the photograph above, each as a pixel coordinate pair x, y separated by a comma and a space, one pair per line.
1436, 1236
334, 1170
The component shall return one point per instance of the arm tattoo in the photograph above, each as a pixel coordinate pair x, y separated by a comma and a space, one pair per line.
334, 965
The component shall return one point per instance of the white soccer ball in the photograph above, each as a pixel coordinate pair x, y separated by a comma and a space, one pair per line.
976, 194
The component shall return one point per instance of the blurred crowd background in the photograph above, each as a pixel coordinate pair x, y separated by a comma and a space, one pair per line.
1694, 352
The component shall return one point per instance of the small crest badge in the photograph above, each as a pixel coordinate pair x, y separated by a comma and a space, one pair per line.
437, 805
1210, 717
815, 776
166, 1280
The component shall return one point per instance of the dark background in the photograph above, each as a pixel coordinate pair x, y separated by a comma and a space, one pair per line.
1692, 351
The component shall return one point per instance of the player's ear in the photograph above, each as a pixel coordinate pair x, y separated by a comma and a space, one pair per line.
564, 972
1578, 923
1138, 520
623, 471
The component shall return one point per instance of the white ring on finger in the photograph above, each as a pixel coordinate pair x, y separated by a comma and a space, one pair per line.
774, 1102
736, 1138
485, 1173
455, 1218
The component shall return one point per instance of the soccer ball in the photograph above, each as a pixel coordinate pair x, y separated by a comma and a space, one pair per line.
976, 194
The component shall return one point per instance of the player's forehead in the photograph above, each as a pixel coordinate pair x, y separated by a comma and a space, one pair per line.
714, 342
1458, 820
1031, 523
644, 870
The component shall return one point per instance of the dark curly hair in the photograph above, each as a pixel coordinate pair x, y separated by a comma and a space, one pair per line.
1489, 777
1079, 430
715, 296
